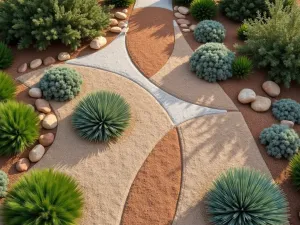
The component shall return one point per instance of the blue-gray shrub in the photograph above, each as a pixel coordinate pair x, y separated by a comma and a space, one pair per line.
209, 31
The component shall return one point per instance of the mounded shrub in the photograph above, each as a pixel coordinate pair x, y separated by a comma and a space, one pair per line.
203, 9
241, 67
274, 43
212, 62
43, 197
19, 127
295, 170
40, 23
280, 141
242, 32
3, 184
6, 55
209, 31
101, 116
7, 87
243, 196
60, 84
286, 109
120, 3
183, 2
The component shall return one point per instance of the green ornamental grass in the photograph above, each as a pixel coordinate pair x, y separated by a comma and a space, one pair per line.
7, 87
43, 197
241, 67
295, 170
6, 56
203, 9
19, 127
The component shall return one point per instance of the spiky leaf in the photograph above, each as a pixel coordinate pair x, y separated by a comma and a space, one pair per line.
203, 9
7, 87
241, 67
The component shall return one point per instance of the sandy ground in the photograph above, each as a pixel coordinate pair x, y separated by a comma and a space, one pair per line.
150, 39
210, 146
154, 193
106, 171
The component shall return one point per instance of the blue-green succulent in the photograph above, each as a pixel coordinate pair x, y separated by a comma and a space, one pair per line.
209, 31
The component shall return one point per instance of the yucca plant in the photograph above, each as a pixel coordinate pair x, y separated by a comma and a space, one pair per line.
7, 87
242, 32
43, 197
3, 184
203, 9
19, 127
241, 67
101, 116
120, 3
242, 196
6, 56
295, 170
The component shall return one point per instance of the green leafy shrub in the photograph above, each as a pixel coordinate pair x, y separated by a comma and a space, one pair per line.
281, 141
295, 170
203, 9
212, 62
120, 3
209, 31
43, 197
7, 87
241, 67
6, 55
183, 2
286, 109
243, 196
101, 116
19, 127
40, 23
3, 184
60, 84
274, 43
242, 32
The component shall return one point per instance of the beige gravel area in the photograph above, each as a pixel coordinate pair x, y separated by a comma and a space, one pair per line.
211, 145
175, 78
105, 172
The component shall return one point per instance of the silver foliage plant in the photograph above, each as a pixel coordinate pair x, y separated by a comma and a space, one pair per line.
209, 31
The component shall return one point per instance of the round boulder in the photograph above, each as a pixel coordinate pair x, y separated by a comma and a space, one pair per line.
46, 139
63, 56
288, 123
49, 122
22, 68
116, 29
120, 15
35, 63
42, 105
113, 22
183, 21
98, 42
179, 15
183, 10
36, 153
49, 61
22, 165
246, 96
35, 92
271, 88
261, 104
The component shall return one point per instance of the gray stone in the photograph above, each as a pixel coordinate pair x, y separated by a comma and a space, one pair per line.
35, 63
179, 15
246, 96
36, 153
261, 104
42, 105
49, 61
271, 88
183, 10
35, 92
22, 68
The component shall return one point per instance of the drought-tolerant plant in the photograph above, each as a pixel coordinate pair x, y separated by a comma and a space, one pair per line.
6, 56
3, 184
295, 170
60, 84
286, 109
203, 9
242, 32
241, 67
40, 23
183, 2
7, 87
19, 127
101, 116
274, 43
280, 141
120, 3
212, 62
243, 196
43, 197
209, 31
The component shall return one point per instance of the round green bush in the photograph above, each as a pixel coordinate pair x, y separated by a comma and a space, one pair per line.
183, 2
19, 127
281, 141
3, 184
295, 170
286, 109
101, 116
203, 9
60, 84
212, 62
7, 87
40, 23
43, 197
209, 31
6, 56
241, 67
243, 196
242, 32
120, 3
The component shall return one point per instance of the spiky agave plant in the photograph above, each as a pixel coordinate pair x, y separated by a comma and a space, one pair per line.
101, 116
242, 196
7, 87
6, 56
43, 197
203, 9
19, 127
241, 67
295, 170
